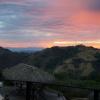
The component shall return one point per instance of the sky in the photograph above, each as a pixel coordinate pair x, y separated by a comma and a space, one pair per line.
47, 23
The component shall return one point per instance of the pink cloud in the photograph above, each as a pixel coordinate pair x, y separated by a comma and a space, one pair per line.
65, 19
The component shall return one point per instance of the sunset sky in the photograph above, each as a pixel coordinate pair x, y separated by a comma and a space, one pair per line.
46, 23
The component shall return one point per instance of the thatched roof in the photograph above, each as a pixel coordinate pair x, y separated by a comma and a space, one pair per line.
24, 72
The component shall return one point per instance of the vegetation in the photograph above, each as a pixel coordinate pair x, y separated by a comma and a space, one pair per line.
78, 63
9, 59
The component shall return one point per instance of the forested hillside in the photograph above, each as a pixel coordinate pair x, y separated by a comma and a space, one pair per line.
73, 62
9, 59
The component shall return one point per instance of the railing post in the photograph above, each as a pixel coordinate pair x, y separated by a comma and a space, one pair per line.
96, 94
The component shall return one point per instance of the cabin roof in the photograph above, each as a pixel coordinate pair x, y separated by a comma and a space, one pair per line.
24, 72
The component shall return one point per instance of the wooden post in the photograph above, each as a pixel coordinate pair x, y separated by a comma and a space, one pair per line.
28, 90
33, 94
96, 94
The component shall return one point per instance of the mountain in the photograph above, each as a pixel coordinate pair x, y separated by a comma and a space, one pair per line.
52, 57
9, 58
72, 62
75, 62
25, 50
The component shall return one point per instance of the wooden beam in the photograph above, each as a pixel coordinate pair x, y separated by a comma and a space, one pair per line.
96, 94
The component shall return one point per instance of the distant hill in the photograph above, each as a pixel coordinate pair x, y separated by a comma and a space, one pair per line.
25, 50
9, 58
76, 62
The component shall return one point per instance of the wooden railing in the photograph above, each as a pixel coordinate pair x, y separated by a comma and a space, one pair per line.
29, 85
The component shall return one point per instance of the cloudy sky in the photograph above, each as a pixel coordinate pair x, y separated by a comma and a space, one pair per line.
46, 23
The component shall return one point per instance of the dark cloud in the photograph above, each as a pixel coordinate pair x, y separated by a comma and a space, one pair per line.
53, 23
94, 5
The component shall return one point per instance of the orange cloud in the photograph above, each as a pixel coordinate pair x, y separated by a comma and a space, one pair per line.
95, 44
86, 18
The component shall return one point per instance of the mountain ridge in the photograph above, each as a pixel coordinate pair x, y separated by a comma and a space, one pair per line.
71, 62
75, 62
26, 50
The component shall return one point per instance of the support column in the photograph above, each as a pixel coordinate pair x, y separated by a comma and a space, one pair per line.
28, 90
96, 94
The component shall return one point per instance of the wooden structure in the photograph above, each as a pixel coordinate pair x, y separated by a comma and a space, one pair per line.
27, 74
32, 75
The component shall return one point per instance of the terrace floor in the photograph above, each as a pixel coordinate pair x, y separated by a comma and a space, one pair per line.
49, 95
